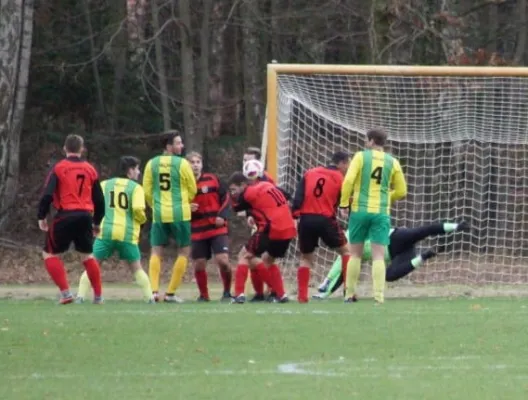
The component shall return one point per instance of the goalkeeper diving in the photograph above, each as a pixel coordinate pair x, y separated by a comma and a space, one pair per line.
401, 255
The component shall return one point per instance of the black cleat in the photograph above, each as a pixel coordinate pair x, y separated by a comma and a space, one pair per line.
257, 298
427, 254
226, 297
271, 297
283, 299
202, 299
463, 227
352, 299
239, 299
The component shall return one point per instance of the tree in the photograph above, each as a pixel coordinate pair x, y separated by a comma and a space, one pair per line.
16, 30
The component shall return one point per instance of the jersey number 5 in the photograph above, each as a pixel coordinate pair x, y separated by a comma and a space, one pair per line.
164, 181
377, 174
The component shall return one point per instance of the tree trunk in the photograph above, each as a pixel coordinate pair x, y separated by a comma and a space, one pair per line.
204, 125
193, 136
16, 31
521, 36
492, 27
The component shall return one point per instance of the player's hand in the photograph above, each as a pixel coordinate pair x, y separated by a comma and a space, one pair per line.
219, 222
43, 225
343, 213
96, 229
194, 207
250, 222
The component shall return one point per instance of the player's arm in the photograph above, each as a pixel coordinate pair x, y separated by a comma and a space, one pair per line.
223, 212
298, 198
285, 193
240, 203
98, 202
147, 183
350, 179
189, 180
399, 185
47, 195
138, 205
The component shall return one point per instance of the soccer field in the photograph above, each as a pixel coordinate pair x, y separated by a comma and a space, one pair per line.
405, 349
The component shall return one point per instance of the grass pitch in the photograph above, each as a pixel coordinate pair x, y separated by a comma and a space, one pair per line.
405, 349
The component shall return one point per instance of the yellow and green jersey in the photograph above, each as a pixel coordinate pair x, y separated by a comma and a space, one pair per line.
374, 179
124, 210
170, 186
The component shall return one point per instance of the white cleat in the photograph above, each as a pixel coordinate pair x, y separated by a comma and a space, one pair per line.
320, 296
170, 298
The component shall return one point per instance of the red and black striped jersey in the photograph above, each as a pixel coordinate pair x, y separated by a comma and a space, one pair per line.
213, 202
265, 178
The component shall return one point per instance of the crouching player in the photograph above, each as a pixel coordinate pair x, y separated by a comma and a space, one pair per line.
275, 230
400, 255
209, 228
124, 215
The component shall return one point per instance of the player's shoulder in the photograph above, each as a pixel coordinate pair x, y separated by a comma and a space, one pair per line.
208, 177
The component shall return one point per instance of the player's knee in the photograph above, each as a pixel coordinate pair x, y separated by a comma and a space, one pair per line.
134, 265
185, 251
85, 257
222, 260
307, 259
200, 264
46, 255
156, 251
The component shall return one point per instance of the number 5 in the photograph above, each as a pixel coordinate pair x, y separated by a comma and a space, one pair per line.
164, 181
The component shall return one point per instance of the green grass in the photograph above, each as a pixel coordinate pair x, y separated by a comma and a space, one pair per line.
406, 349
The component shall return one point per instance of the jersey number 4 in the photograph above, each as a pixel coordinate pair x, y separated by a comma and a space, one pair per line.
377, 174
122, 200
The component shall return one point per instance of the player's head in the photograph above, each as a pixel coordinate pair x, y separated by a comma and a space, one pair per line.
237, 183
173, 143
376, 138
252, 153
196, 161
341, 160
74, 145
129, 167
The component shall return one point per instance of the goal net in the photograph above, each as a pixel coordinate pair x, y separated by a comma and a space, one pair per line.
463, 145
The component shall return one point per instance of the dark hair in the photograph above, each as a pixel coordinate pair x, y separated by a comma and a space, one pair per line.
237, 178
73, 143
378, 136
127, 162
254, 151
169, 136
339, 157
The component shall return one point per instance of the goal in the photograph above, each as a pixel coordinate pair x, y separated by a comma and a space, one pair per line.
461, 134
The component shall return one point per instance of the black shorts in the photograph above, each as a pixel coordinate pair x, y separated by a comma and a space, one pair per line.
260, 243
67, 228
314, 227
205, 248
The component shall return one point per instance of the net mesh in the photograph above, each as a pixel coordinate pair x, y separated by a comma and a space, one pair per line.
463, 145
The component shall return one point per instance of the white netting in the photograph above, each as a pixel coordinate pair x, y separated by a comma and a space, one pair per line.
463, 144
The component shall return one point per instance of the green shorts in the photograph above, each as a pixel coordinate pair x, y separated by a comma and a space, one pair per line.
104, 248
161, 232
369, 226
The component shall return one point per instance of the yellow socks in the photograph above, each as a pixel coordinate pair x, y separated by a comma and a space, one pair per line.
142, 280
378, 280
178, 271
154, 272
352, 276
84, 285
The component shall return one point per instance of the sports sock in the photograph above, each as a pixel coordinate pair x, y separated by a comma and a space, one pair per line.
94, 275
178, 271
257, 282
143, 282
241, 275
227, 277
344, 262
154, 272
303, 280
275, 278
352, 277
201, 282
57, 273
84, 285
378, 280
450, 227
262, 271
336, 269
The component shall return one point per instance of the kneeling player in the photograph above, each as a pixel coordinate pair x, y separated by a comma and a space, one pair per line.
275, 230
209, 228
401, 255
315, 203
124, 215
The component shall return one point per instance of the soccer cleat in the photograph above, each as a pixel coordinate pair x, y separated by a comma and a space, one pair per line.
271, 297
352, 299
226, 296
323, 287
151, 301
463, 227
155, 296
171, 298
202, 299
240, 299
98, 300
257, 298
79, 300
283, 299
67, 299
320, 296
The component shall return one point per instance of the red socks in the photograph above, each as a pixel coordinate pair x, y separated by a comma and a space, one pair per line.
57, 272
226, 275
201, 282
94, 275
303, 280
275, 279
257, 282
344, 265
241, 275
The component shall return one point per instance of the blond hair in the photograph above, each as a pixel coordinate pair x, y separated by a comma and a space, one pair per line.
194, 154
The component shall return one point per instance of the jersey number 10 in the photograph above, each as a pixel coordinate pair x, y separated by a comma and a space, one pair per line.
122, 200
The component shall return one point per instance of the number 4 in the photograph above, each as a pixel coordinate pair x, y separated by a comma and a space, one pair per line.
377, 174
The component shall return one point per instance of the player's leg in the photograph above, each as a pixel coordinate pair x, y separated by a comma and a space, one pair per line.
255, 275
379, 237
220, 248
309, 230
102, 250
332, 282
83, 240
200, 254
58, 240
358, 226
277, 249
130, 253
181, 232
159, 237
244, 270
405, 263
335, 238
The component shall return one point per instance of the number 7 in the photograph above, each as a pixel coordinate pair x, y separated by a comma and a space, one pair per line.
80, 178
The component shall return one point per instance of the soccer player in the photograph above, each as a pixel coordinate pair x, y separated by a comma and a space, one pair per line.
170, 187
374, 180
73, 187
400, 255
315, 204
209, 228
275, 230
124, 215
